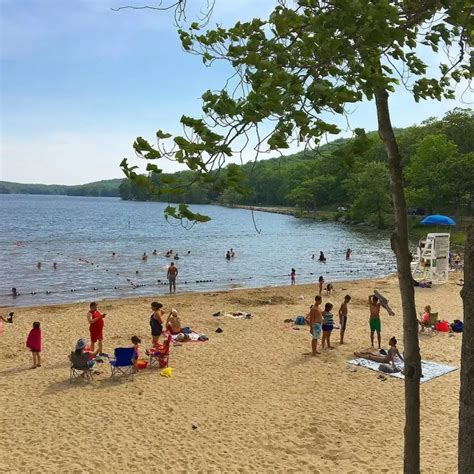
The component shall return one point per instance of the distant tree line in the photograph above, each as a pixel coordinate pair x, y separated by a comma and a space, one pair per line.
106, 188
351, 173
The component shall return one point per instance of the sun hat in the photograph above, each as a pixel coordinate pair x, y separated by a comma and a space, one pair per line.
80, 344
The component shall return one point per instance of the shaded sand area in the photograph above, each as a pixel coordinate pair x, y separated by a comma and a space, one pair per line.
257, 400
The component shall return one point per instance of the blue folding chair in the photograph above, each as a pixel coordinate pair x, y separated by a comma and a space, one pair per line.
122, 364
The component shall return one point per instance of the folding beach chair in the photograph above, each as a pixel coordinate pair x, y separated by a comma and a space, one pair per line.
432, 322
80, 368
159, 356
122, 364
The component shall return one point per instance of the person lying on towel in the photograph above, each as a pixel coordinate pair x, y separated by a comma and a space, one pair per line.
388, 358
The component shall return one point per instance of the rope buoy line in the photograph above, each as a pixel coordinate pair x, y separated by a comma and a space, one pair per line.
160, 283
131, 284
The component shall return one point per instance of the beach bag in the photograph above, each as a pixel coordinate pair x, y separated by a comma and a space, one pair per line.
387, 368
442, 326
300, 321
457, 326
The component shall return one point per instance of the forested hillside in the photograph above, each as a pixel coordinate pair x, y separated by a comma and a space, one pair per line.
439, 175
106, 188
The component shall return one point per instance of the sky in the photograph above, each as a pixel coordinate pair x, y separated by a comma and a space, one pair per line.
79, 82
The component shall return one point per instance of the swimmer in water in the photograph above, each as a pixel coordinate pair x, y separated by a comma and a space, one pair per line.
144, 257
38, 264
55, 265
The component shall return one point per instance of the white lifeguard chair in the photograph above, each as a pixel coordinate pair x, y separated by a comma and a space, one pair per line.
432, 258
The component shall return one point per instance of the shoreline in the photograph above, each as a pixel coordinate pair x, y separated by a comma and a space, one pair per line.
344, 279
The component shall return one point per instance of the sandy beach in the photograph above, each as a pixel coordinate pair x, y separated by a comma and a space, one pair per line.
250, 399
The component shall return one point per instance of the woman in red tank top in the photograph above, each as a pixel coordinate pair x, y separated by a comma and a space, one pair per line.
96, 326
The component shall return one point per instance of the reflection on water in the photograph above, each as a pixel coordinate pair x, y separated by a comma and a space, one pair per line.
80, 234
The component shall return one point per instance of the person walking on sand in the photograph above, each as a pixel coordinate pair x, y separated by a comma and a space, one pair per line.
156, 322
321, 283
343, 316
293, 276
374, 319
315, 319
172, 274
328, 325
33, 342
96, 327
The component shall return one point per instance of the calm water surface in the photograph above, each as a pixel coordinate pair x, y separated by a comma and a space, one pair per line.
80, 234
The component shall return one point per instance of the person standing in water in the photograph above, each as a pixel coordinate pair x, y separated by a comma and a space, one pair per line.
171, 275
348, 254
293, 276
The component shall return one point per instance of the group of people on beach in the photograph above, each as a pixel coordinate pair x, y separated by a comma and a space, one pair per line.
321, 323
159, 325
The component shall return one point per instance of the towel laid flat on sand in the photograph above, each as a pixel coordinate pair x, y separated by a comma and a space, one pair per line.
238, 315
430, 370
193, 337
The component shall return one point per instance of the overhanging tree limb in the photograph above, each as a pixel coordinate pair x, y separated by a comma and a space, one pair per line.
315, 58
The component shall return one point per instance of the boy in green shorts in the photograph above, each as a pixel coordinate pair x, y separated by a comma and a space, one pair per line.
374, 320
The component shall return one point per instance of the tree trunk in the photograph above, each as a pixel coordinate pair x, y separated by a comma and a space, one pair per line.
410, 323
466, 393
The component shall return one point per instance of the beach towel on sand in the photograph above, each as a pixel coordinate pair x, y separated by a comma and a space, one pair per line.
430, 370
238, 315
193, 337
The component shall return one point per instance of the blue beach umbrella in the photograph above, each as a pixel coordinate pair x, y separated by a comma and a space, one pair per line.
436, 219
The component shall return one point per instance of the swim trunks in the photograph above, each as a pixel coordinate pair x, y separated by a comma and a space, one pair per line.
327, 327
375, 324
172, 278
343, 322
316, 330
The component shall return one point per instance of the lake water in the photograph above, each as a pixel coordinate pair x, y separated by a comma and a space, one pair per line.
80, 234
